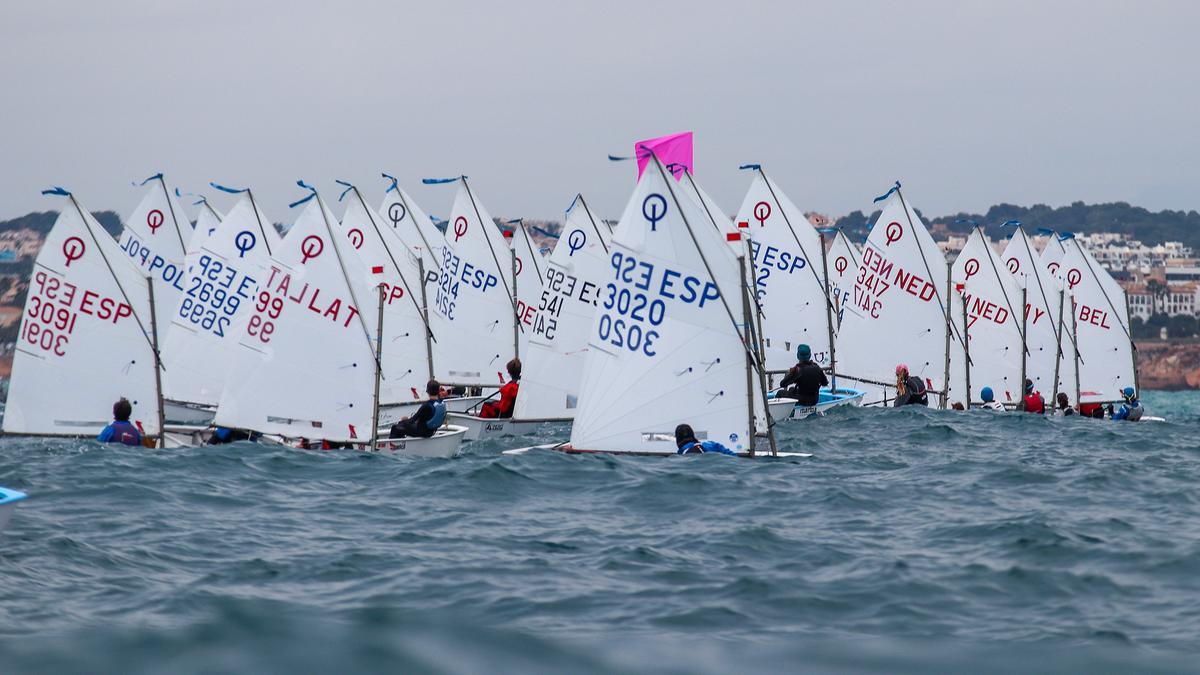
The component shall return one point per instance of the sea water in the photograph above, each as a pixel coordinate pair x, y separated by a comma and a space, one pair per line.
914, 540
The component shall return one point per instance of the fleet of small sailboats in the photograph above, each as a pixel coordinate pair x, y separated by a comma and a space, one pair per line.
678, 315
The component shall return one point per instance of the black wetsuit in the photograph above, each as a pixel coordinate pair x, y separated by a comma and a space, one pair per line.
805, 380
420, 425
916, 393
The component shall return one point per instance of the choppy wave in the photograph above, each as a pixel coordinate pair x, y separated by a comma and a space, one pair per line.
913, 541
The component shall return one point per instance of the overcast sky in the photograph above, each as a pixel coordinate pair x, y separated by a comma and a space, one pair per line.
967, 103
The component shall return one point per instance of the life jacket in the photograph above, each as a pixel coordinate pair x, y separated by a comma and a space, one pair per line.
508, 398
125, 432
1089, 409
1034, 403
702, 447
439, 415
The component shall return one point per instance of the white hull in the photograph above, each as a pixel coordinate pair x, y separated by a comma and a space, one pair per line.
176, 412
391, 413
844, 398
8, 504
780, 408
483, 427
566, 447
446, 443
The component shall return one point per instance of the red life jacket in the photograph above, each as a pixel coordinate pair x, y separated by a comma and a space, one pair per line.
1034, 403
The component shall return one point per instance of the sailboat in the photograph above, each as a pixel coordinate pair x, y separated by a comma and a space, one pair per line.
557, 337
843, 259
207, 220
224, 267
1047, 334
779, 408
1100, 323
309, 367
408, 222
899, 310
787, 266
990, 317
672, 341
88, 335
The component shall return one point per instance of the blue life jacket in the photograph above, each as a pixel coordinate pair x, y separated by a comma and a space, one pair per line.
1131, 411
698, 447
439, 415
120, 432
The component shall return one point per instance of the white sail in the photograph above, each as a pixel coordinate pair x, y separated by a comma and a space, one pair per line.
223, 277
378, 257
1044, 317
310, 363
529, 268
993, 314
1102, 332
554, 358
473, 313
154, 239
787, 274
207, 220
843, 259
413, 226
1053, 253
85, 336
897, 311
665, 346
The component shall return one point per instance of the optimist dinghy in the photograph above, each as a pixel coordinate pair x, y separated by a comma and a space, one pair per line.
827, 400
8, 504
673, 341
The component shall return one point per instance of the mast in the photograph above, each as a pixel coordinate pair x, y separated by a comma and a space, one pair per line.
516, 317
171, 208
1137, 388
949, 328
828, 316
966, 350
1075, 332
1058, 358
425, 315
378, 371
749, 361
158, 390
1024, 332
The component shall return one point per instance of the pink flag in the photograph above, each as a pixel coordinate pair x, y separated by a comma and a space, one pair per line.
674, 151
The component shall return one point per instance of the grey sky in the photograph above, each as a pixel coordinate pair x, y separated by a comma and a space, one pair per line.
968, 103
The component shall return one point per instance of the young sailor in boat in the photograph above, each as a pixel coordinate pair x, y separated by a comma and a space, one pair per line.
1033, 401
686, 443
223, 435
1062, 405
1131, 410
121, 430
805, 379
989, 400
910, 390
428, 418
508, 394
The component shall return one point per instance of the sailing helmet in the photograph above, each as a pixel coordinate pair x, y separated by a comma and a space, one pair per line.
803, 352
1028, 386
1128, 392
986, 394
901, 369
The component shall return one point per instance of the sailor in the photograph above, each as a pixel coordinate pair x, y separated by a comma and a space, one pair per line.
223, 435
686, 443
989, 400
805, 379
428, 418
1062, 405
1091, 410
910, 390
121, 430
1033, 401
1131, 409
508, 394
